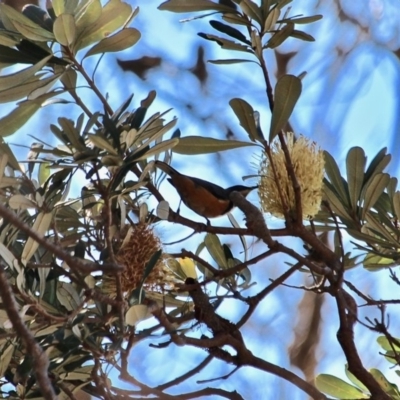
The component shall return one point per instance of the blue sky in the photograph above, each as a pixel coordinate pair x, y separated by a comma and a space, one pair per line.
349, 99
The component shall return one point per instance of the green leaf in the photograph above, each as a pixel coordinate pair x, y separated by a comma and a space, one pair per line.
280, 36
245, 113
200, 145
24, 25
40, 226
118, 42
373, 190
58, 6
216, 250
186, 6
235, 33
378, 164
302, 36
230, 61
336, 387
136, 314
102, 143
237, 19
18, 78
336, 180
87, 13
302, 20
355, 165
287, 92
225, 43
159, 148
18, 117
354, 380
114, 15
390, 388
335, 202
252, 10
64, 29
270, 21
388, 345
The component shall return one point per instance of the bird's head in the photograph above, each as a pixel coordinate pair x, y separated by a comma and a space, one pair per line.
243, 190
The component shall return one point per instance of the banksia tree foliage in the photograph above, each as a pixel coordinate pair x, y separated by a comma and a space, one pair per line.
81, 262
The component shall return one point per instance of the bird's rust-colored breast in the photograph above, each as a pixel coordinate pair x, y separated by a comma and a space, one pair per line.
198, 198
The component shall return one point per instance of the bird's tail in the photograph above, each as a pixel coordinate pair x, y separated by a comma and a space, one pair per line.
166, 168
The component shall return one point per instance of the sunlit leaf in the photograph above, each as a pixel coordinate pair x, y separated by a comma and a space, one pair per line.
336, 387
215, 249
18, 117
118, 42
64, 29
114, 15
18, 78
136, 314
40, 226
25, 26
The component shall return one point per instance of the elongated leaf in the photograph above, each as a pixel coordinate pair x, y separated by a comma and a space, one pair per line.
64, 29
136, 314
279, 37
230, 61
225, 43
245, 113
18, 117
215, 249
335, 202
338, 388
233, 32
378, 164
118, 42
18, 201
159, 148
252, 10
302, 36
41, 225
18, 78
332, 170
287, 92
355, 165
302, 20
186, 6
373, 190
271, 19
102, 143
200, 145
114, 15
236, 19
87, 13
388, 387
25, 26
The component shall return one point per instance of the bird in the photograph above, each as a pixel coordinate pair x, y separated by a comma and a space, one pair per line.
204, 198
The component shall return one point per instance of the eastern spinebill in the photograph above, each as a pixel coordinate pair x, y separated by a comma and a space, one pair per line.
204, 198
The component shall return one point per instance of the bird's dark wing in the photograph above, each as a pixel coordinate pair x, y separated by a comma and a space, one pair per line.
217, 191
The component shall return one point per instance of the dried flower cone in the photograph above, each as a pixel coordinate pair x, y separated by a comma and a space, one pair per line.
137, 248
308, 164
